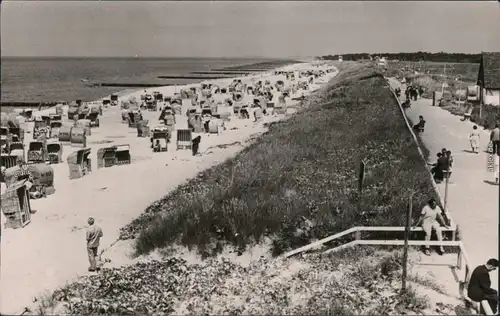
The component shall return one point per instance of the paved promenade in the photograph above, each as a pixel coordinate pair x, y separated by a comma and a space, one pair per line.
473, 198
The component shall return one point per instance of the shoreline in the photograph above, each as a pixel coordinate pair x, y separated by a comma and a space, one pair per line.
141, 85
119, 194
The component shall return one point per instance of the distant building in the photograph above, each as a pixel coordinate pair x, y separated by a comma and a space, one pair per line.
340, 58
488, 78
382, 61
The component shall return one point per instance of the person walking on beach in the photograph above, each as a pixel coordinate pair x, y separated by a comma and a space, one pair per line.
195, 146
495, 139
474, 139
94, 234
430, 218
480, 285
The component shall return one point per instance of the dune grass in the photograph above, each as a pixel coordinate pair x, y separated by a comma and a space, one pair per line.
299, 181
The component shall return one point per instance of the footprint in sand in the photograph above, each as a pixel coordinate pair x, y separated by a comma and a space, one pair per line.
99, 142
55, 217
140, 158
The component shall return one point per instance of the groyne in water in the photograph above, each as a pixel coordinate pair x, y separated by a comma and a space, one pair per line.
233, 73
7, 107
194, 77
236, 71
130, 85
263, 66
28, 104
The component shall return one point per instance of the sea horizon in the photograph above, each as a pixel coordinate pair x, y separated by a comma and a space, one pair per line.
51, 79
153, 57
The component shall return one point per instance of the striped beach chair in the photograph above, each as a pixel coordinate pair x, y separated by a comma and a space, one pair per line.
184, 138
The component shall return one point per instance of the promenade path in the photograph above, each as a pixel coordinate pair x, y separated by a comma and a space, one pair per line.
473, 198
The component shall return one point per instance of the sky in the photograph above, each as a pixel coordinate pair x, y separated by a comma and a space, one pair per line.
245, 28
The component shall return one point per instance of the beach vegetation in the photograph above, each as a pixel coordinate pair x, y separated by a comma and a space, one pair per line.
299, 181
354, 281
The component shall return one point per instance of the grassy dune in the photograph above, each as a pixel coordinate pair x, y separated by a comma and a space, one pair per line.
298, 182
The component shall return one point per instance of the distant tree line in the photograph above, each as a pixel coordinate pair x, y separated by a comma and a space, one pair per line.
417, 56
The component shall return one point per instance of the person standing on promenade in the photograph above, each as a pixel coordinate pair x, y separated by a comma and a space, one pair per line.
430, 218
94, 234
449, 164
480, 284
436, 170
496, 168
442, 166
474, 138
495, 139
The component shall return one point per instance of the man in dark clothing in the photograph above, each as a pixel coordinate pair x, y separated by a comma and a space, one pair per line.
398, 91
419, 127
480, 285
414, 94
195, 145
495, 139
442, 166
436, 171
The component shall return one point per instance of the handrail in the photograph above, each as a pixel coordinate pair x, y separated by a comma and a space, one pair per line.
395, 243
356, 229
320, 242
462, 255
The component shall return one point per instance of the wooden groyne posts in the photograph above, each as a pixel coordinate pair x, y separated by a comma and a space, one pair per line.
201, 77
130, 85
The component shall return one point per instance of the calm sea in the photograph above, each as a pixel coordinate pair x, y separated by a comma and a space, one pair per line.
54, 79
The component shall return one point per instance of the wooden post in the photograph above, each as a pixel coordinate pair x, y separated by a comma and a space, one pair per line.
466, 277
447, 180
481, 96
361, 179
459, 259
358, 235
407, 236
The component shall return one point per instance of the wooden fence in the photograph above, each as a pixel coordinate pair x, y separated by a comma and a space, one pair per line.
462, 258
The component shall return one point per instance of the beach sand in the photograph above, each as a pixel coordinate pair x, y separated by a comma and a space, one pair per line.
50, 251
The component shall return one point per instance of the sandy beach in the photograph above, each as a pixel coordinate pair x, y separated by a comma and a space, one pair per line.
50, 251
